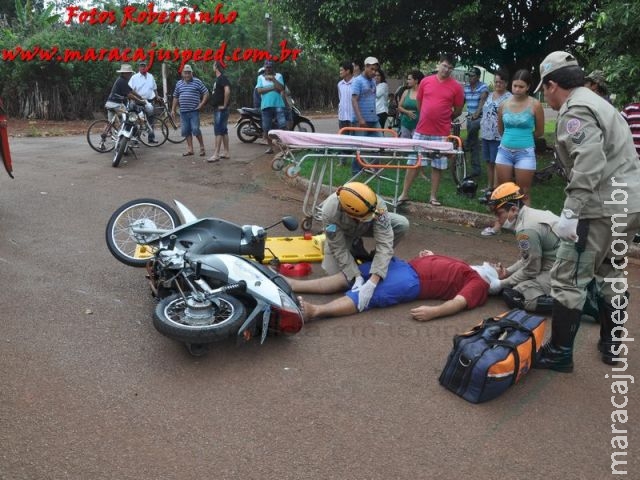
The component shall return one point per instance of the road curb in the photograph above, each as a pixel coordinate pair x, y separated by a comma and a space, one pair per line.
443, 214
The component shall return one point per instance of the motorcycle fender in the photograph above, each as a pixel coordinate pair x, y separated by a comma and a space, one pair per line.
248, 328
127, 133
186, 214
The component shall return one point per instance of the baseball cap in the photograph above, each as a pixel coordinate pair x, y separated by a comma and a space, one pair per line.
371, 61
268, 63
474, 71
597, 77
187, 68
142, 63
555, 61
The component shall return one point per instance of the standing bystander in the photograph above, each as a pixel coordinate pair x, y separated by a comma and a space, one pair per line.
220, 98
191, 95
440, 98
631, 114
345, 109
270, 85
475, 95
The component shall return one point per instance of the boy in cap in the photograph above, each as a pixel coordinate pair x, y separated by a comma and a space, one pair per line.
270, 85
596, 82
600, 216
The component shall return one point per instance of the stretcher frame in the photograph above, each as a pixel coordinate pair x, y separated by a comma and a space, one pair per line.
381, 159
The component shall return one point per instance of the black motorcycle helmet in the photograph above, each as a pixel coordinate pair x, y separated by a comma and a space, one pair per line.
468, 187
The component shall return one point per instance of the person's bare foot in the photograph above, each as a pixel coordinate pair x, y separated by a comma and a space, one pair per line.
308, 309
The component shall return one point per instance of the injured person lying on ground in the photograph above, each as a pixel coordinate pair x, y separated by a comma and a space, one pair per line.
427, 276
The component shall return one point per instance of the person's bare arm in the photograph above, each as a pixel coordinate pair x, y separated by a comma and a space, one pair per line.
426, 312
539, 116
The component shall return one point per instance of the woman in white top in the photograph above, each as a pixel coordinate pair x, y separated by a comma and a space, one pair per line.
382, 98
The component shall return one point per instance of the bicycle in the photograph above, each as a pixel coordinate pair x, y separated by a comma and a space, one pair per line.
102, 135
459, 161
554, 168
174, 129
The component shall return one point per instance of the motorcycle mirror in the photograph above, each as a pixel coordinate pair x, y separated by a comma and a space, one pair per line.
290, 223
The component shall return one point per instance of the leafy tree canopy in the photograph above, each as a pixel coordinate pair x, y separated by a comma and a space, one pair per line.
404, 33
612, 39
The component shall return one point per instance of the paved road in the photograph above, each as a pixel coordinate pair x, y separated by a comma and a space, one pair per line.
89, 390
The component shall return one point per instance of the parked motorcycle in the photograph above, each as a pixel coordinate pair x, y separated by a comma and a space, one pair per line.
206, 273
249, 126
135, 127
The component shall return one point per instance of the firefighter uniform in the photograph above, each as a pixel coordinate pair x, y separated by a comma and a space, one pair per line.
341, 230
537, 245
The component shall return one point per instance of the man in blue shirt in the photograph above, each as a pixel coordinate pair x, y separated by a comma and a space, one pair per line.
475, 94
191, 94
363, 101
270, 86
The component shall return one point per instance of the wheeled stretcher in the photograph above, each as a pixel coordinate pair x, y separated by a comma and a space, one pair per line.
381, 159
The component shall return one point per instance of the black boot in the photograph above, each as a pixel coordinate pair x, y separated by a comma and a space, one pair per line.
609, 347
557, 354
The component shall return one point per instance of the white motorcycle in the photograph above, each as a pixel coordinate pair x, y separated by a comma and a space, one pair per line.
206, 273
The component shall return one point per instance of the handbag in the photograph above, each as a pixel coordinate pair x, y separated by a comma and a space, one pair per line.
492, 356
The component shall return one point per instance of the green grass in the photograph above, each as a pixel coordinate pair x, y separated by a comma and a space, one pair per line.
546, 196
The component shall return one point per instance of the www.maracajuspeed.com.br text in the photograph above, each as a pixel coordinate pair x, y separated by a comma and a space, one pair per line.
126, 55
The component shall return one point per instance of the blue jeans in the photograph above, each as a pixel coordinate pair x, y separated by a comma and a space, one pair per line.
271, 113
520, 158
473, 144
490, 150
220, 120
190, 123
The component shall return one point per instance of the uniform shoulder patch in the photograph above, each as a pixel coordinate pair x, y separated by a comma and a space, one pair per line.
573, 125
330, 230
382, 218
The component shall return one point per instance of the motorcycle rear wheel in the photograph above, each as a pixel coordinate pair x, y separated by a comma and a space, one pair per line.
123, 243
304, 126
242, 135
194, 322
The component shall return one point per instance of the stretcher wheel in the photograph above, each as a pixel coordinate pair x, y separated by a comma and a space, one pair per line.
307, 223
277, 163
292, 171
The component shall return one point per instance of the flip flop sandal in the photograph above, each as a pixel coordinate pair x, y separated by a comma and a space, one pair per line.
202, 153
187, 154
435, 203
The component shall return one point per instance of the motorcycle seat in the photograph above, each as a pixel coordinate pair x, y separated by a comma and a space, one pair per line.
252, 111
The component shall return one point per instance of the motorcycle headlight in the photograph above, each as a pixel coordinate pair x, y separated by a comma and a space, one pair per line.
133, 117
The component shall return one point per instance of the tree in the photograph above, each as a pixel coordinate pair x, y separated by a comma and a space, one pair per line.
403, 33
612, 39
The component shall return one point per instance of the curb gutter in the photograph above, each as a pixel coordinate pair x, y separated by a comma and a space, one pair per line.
445, 214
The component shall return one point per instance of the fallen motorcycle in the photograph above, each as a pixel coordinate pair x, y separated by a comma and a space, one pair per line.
249, 126
206, 273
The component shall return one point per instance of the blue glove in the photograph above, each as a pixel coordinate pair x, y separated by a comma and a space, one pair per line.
364, 294
358, 282
567, 227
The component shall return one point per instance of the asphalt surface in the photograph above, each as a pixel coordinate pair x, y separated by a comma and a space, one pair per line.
89, 389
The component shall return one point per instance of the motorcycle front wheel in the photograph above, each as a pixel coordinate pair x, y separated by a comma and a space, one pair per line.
121, 148
191, 321
247, 131
124, 242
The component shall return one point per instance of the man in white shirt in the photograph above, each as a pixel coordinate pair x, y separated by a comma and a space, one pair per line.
345, 109
144, 85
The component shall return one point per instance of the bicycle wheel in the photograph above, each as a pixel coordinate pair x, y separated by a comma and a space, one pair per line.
458, 167
174, 130
101, 136
160, 134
